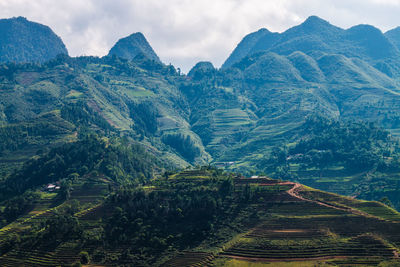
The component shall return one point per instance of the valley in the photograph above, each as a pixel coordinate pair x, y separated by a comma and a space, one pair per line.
287, 155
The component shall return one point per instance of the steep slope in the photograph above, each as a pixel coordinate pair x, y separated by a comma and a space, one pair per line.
307, 66
133, 45
25, 41
394, 36
139, 99
369, 42
198, 217
261, 102
316, 37
246, 46
313, 36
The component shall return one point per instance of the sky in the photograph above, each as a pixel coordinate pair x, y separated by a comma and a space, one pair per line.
184, 32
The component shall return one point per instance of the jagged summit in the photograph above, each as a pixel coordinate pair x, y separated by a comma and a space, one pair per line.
132, 45
22, 40
313, 25
316, 37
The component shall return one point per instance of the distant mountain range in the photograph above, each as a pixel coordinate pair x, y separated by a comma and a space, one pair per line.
24, 41
316, 37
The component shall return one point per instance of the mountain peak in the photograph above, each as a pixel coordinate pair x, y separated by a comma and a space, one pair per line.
20, 18
22, 40
200, 69
315, 19
247, 45
263, 31
136, 35
394, 36
129, 47
365, 28
371, 40
315, 23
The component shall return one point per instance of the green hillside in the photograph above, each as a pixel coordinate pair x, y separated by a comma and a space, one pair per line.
26, 41
110, 96
99, 157
203, 217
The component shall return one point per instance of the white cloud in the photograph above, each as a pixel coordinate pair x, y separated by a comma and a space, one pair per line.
186, 31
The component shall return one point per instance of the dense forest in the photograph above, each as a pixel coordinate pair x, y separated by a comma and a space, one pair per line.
325, 143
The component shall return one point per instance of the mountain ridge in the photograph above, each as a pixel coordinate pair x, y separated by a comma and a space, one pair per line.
97, 155
316, 36
26, 41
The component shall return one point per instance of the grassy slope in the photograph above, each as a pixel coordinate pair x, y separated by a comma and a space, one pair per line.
273, 227
108, 88
290, 229
235, 114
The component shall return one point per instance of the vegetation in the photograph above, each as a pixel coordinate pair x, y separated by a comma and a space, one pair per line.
184, 145
118, 160
26, 41
357, 154
88, 147
200, 216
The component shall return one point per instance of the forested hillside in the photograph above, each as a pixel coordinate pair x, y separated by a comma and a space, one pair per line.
25, 41
99, 157
236, 115
204, 217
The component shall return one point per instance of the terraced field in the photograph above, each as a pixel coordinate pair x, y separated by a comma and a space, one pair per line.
88, 196
311, 227
287, 224
226, 122
187, 258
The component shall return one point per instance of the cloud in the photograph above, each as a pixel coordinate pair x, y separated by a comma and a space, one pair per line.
183, 32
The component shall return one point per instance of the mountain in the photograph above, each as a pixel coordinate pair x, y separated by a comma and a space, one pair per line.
238, 114
91, 148
243, 112
246, 46
394, 36
133, 45
25, 41
201, 69
316, 37
44, 106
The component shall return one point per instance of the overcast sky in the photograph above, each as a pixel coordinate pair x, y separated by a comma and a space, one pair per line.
183, 32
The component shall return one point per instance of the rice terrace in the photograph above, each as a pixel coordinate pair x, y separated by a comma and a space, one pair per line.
252, 134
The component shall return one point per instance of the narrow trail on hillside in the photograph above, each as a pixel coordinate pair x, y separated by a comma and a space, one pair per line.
294, 192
